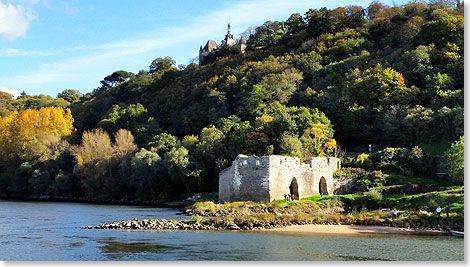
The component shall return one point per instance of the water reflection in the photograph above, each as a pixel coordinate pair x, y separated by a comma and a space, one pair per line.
120, 250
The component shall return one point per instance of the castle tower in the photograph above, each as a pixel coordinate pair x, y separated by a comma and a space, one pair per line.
229, 29
229, 40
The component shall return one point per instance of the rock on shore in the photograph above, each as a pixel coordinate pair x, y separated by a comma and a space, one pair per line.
151, 224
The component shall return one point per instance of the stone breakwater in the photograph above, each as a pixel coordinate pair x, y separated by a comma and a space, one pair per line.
151, 224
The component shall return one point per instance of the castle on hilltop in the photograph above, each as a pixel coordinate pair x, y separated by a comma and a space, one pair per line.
229, 41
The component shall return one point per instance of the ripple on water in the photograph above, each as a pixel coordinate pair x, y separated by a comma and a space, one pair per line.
76, 244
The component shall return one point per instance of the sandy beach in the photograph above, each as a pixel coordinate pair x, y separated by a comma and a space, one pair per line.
350, 230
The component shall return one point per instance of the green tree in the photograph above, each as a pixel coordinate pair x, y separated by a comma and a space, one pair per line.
291, 145
116, 78
70, 95
378, 86
455, 159
147, 178
176, 161
161, 65
164, 142
266, 35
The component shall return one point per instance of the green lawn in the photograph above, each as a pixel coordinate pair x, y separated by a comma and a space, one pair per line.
453, 196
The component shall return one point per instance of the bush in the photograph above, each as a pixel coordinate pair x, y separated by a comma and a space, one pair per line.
362, 159
350, 172
374, 195
370, 180
365, 180
455, 159
407, 161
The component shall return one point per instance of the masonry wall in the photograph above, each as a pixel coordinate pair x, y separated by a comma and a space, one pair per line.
246, 179
307, 176
269, 178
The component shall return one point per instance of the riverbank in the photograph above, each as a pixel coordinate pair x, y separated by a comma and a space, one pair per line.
322, 229
326, 211
156, 204
350, 230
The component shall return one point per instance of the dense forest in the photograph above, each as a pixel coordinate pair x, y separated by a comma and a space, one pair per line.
317, 84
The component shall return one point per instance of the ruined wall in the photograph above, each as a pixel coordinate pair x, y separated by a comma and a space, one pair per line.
269, 178
246, 179
283, 171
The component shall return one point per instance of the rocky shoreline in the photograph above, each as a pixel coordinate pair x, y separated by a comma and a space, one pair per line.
151, 224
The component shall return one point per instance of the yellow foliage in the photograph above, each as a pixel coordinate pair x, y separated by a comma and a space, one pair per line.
190, 140
79, 160
395, 76
330, 145
318, 130
21, 131
264, 118
361, 158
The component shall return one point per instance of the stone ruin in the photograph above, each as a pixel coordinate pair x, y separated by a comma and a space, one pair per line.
252, 178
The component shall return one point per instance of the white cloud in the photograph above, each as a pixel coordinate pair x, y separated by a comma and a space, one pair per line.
11, 91
14, 52
14, 21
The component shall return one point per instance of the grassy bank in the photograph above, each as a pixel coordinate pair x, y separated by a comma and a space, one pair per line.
414, 211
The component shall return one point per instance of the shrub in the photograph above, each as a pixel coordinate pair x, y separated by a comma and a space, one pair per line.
370, 180
350, 172
335, 202
374, 195
455, 159
362, 159
408, 161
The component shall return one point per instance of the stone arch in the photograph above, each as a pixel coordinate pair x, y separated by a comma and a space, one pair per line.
323, 186
294, 188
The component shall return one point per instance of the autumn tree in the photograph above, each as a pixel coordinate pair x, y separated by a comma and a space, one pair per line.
27, 134
124, 145
94, 159
378, 86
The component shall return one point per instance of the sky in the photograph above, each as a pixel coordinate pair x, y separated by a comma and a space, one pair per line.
47, 46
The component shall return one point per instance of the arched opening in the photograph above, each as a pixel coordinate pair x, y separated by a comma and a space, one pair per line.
294, 188
323, 187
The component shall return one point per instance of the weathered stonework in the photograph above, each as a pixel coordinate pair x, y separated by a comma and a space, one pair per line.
270, 177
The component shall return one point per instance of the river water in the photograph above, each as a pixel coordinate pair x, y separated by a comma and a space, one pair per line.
51, 231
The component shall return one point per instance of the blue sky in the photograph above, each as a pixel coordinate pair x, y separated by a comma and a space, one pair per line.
47, 46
